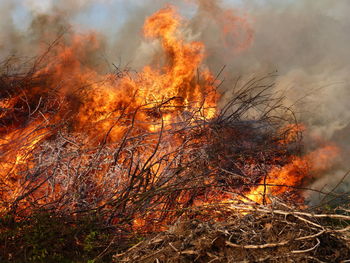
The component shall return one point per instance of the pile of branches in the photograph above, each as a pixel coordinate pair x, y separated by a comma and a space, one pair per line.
249, 233
144, 175
149, 176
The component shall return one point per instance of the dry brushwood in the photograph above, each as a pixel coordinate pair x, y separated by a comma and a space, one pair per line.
248, 234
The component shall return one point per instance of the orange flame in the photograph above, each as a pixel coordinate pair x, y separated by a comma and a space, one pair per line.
282, 179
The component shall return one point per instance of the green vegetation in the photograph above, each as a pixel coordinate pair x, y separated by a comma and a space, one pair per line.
46, 237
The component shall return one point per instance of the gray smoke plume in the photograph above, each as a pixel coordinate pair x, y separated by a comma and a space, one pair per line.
307, 42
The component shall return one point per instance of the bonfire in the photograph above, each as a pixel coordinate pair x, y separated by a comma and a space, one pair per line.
157, 154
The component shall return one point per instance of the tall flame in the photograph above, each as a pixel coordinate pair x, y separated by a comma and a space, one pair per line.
96, 105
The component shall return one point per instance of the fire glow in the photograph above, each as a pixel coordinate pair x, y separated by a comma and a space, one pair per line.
144, 125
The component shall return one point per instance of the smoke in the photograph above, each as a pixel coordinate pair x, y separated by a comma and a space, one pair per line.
305, 41
8, 33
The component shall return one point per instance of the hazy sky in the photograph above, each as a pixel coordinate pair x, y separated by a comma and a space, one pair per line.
94, 14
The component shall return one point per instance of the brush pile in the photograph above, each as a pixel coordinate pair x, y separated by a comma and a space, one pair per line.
131, 164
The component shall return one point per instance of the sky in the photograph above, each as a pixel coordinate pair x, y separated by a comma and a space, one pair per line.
98, 14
